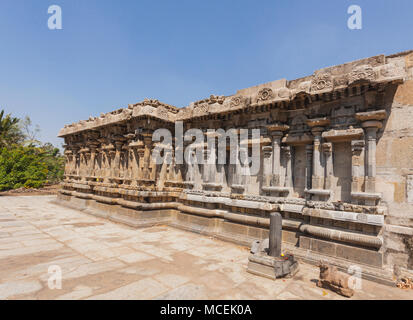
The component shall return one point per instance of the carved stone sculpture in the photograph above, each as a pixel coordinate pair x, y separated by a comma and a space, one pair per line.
331, 278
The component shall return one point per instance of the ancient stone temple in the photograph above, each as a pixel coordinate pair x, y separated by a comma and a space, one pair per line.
336, 152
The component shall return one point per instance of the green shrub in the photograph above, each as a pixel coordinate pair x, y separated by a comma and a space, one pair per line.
29, 167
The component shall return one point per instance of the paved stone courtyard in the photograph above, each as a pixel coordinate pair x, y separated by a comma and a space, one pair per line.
100, 259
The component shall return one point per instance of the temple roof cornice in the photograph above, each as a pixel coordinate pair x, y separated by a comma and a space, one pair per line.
375, 71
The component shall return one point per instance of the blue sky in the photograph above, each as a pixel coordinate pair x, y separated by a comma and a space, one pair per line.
112, 53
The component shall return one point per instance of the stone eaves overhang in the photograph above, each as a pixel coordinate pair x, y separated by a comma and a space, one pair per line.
325, 84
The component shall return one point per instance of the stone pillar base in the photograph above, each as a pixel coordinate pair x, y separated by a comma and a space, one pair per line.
261, 264
273, 268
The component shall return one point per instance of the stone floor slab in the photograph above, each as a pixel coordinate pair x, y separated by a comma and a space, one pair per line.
100, 259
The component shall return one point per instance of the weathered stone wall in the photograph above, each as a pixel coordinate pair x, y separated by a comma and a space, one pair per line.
395, 172
336, 160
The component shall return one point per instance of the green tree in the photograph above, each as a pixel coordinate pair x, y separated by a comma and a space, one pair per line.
24, 160
10, 132
22, 167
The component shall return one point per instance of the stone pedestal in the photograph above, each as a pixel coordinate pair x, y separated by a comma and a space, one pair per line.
266, 259
273, 268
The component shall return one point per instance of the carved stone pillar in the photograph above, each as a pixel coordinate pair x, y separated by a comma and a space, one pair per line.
357, 165
76, 161
112, 155
70, 162
92, 163
309, 166
317, 182
190, 162
212, 163
288, 165
267, 166
67, 163
328, 154
371, 123
86, 164
81, 165
243, 168
77, 164
212, 178
141, 162
117, 159
276, 132
166, 172
237, 176
318, 172
134, 165
178, 167
107, 162
147, 140
276, 157
371, 128
205, 167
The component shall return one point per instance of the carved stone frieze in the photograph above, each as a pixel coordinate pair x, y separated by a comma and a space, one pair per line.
265, 94
322, 82
362, 73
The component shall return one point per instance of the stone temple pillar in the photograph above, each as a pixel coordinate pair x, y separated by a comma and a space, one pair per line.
92, 164
288, 172
212, 178
147, 139
276, 132
112, 156
236, 171
134, 162
317, 128
212, 172
83, 160
190, 163
87, 164
276, 157
317, 190
116, 164
371, 128
309, 166
243, 168
371, 123
106, 165
267, 166
212, 164
205, 167
328, 154
371, 140
141, 165
357, 165
318, 172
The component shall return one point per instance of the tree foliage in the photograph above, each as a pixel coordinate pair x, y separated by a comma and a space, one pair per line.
10, 131
25, 161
